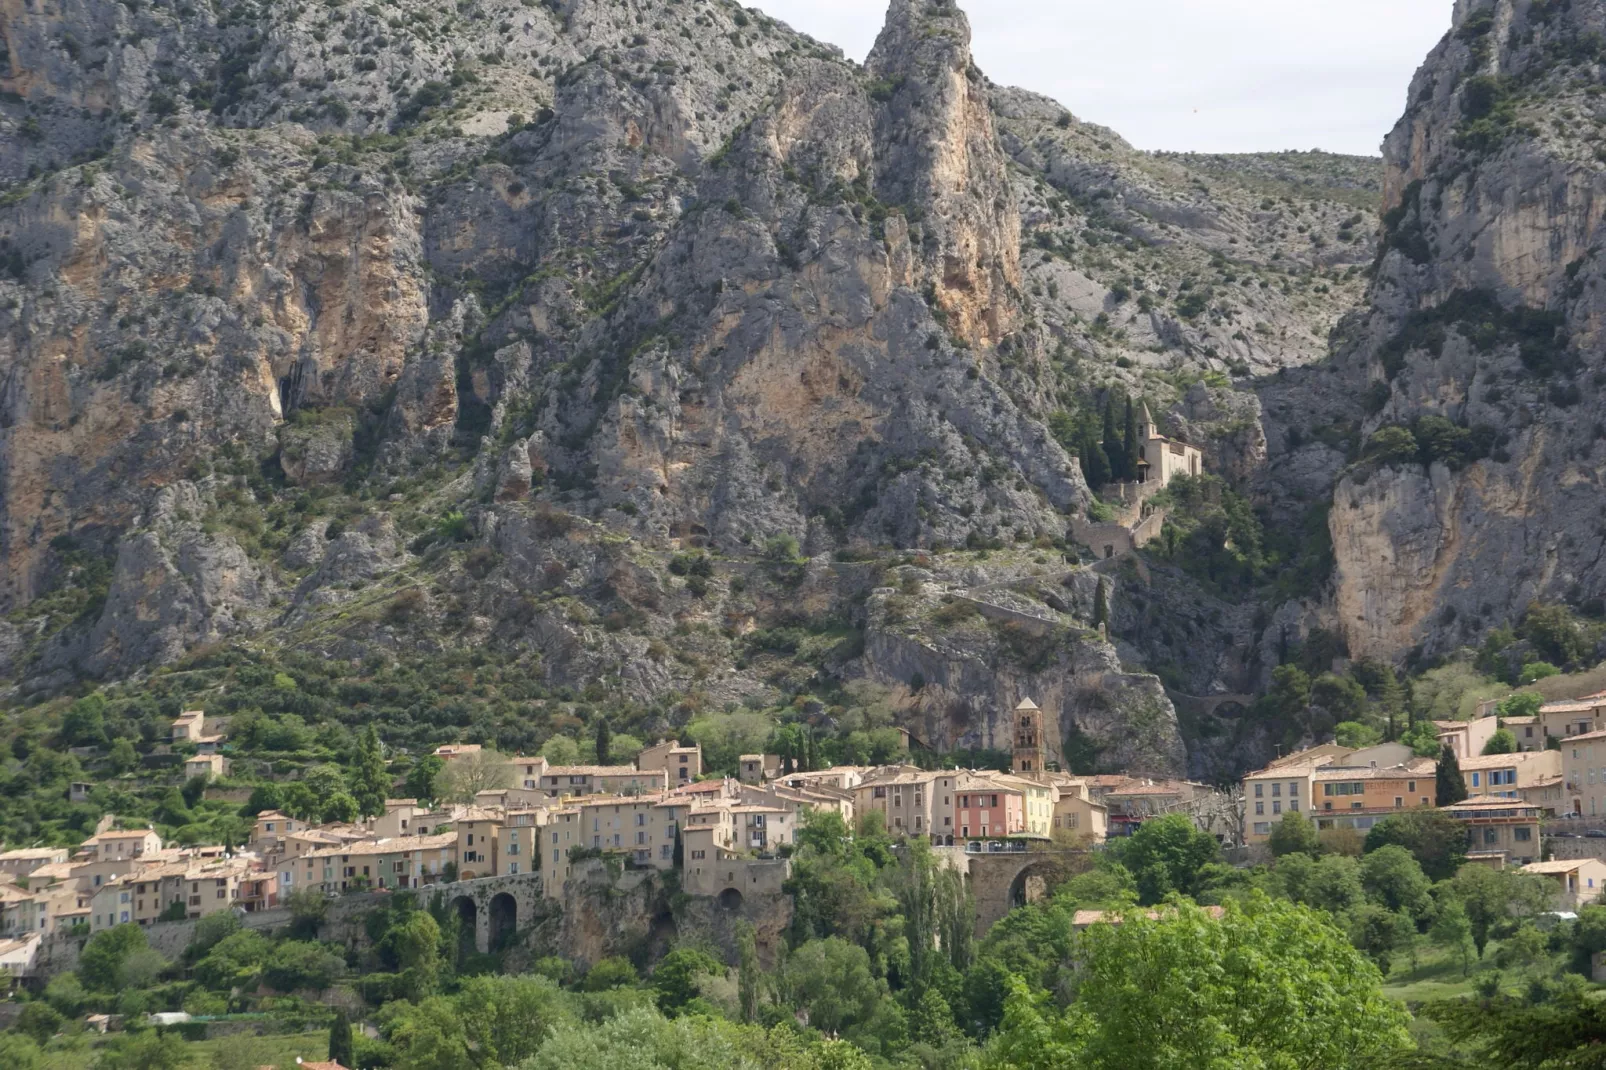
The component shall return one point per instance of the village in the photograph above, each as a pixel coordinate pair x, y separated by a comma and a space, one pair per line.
726, 836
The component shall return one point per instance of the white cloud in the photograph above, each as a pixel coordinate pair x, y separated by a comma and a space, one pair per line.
1202, 75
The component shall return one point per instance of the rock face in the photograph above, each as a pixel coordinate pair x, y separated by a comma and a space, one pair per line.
971, 651
455, 328
1479, 353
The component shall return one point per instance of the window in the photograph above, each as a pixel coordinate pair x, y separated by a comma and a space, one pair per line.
1276, 807
1262, 828
879, 793
1491, 835
1276, 791
1410, 785
1293, 788
1525, 835
641, 819
1398, 803
1293, 805
699, 855
1258, 790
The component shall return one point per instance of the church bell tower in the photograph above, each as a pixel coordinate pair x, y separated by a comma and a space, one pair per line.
1029, 751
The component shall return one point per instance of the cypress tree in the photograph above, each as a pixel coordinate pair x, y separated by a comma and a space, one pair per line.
370, 783
1095, 462
1130, 446
604, 741
1113, 450
1101, 604
1451, 785
340, 1041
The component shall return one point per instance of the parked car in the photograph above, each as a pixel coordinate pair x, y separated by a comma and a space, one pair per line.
1596, 834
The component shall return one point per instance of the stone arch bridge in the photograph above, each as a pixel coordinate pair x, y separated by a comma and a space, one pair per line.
1017, 874
491, 909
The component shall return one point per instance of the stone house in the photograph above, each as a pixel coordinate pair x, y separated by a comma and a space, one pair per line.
680, 765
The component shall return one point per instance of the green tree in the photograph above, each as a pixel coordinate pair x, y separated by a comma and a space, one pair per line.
1113, 447
1450, 787
421, 778
370, 782
1495, 897
615, 972
308, 910
1101, 604
1380, 932
1355, 734
1554, 634
506, 1018
1340, 696
1165, 856
1567, 1033
295, 965
1095, 462
123, 758
341, 807
19, 1052
1394, 880
1294, 833
604, 742
830, 980
101, 962
1131, 453
1271, 984
428, 1034
416, 944
674, 980
40, 1021
1437, 840
84, 723
147, 1050
1331, 883
235, 961
1520, 704
1502, 742
340, 1040
1423, 739
1452, 930
1290, 691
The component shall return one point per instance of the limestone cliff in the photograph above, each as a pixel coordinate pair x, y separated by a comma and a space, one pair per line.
1478, 357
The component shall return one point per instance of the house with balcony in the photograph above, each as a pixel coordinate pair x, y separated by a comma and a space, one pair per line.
1500, 831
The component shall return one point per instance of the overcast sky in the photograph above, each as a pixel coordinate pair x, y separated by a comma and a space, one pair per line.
1189, 75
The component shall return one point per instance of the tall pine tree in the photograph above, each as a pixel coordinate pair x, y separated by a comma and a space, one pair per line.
340, 1041
1114, 451
370, 783
1101, 604
1095, 462
1451, 785
604, 742
1130, 447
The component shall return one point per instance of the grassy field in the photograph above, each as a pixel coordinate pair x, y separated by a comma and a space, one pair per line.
242, 1052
